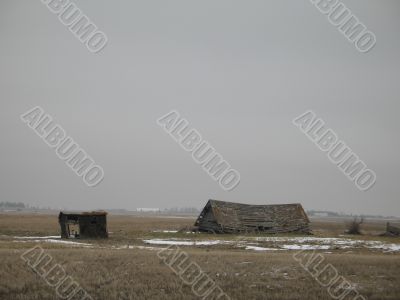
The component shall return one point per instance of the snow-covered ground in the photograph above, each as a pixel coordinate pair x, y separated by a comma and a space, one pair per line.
240, 242
49, 239
184, 242
283, 243
255, 248
38, 237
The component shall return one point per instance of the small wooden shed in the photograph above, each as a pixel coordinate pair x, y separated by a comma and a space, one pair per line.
83, 225
228, 217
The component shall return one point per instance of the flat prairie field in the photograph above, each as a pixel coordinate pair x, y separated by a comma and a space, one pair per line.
155, 257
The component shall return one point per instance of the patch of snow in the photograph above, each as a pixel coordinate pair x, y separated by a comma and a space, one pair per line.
260, 248
63, 242
305, 247
173, 217
137, 247
387, 247
38, 237
56, 242
168, 242
299, 240
183, 242
147, 248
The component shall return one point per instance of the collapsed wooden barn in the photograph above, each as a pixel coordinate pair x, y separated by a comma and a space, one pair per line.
83, 225
392, 229
228, 217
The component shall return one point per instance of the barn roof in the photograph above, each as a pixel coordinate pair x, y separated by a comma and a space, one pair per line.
232, 216
85, 213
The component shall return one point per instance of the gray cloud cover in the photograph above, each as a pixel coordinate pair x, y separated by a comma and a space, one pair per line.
239, 71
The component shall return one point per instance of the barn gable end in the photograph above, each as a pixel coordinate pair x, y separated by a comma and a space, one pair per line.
207, 218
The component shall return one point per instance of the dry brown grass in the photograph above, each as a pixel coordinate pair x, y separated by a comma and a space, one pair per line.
121, 226
139, 274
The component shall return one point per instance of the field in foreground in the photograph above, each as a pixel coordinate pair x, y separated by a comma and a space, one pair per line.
126, 266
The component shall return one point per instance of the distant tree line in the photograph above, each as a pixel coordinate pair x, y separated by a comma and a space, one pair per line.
184, 210
317, 212
335, 214
12, 205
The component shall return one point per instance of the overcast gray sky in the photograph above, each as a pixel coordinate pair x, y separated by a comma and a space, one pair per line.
238, 71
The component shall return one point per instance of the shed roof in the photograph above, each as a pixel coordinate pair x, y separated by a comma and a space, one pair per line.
85, 213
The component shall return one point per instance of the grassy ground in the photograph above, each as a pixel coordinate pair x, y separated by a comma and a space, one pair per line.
107, 273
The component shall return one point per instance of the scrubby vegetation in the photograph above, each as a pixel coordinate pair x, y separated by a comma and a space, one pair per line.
354, 227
